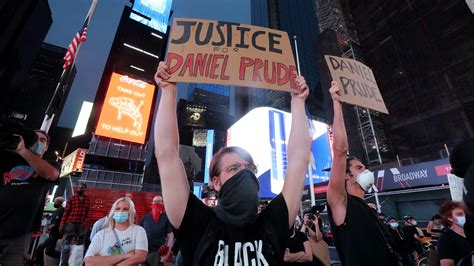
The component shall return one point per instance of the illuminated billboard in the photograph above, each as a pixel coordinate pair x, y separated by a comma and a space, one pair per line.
264, 133
126, 109
158, 12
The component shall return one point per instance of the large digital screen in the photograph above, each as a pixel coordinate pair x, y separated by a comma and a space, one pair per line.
157, 10
126, 109
264, 133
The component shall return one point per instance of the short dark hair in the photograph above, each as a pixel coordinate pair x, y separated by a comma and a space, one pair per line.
348, 162
462, 157
48, 138
216, 159
446, 210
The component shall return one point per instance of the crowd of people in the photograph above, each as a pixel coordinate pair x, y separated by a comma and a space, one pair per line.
231, 228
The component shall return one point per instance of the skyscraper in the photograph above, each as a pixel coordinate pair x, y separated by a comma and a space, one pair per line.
422, 54
33, 97
24, 27
297, 18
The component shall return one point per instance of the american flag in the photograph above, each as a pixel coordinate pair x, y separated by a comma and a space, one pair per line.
80, 36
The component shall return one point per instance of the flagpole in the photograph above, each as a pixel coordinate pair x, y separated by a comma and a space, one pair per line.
63, 80
310, 128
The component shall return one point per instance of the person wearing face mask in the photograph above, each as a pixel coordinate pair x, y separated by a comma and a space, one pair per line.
73, 221
401, 242
232, 232
352, 221
159, 233
121, 242
49, 245
453, 245
435, 228
26, 178
414, 234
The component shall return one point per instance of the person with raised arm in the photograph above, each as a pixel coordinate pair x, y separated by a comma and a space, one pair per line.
231, 233
360, 238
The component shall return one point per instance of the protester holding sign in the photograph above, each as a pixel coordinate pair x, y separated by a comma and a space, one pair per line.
231, 233
360, 238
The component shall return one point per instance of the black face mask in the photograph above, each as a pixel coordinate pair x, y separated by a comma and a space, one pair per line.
238, 199
57, 205
80, 192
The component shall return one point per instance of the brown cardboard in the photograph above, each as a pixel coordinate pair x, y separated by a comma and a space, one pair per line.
357, 82
201, 51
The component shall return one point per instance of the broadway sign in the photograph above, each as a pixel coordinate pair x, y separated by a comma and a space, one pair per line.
216, 52
433, 173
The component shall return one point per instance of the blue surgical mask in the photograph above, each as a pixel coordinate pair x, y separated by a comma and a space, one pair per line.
120, 217
38, 148
394, 225
461, 220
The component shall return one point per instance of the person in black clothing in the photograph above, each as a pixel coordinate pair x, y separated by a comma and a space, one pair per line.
462, 165
453, 245
159, 233
413, 234
231, 233
48, 247
402, 243
298, 250
26, 178
359, 236
435, 228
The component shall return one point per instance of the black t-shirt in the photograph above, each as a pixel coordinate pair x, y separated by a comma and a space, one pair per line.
56, 221
403, 243
410, 232
205, 240
362, 238
295, 245
453, 246
22, 196
156, 232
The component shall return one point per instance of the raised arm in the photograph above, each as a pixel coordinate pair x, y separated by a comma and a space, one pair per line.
337, 195
298, 151
174, 184
42, 167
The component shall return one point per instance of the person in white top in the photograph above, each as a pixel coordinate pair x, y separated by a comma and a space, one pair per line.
121, 242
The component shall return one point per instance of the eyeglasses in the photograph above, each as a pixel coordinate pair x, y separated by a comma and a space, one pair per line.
234, 168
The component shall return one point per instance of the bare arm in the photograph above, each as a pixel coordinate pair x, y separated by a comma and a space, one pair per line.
446, 262
337, 195
299, 147
293, 257
170, 239
42, 167
174, 183
137, 258
315, 235
301, 256
308, 253
106, 260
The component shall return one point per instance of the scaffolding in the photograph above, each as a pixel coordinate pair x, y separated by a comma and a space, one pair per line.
334, 15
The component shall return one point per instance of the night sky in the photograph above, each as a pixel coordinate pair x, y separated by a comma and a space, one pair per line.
68, 17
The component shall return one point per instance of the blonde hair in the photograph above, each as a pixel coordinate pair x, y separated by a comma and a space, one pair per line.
110, 223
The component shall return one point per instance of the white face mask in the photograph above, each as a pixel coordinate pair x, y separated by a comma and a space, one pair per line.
366, 179
414, 223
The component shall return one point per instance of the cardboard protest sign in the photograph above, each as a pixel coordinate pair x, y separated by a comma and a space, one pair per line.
357, 83
216, 52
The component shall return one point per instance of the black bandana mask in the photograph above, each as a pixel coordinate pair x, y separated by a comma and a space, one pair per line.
238, 199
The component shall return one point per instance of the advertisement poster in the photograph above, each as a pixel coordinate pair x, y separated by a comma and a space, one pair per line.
126, 109
264, 133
